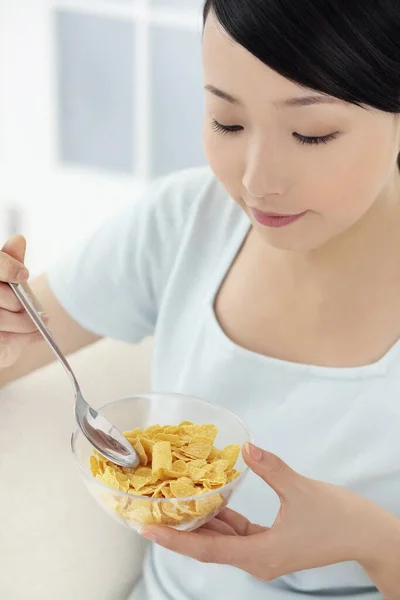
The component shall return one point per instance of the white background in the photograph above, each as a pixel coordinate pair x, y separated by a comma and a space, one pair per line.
59, 203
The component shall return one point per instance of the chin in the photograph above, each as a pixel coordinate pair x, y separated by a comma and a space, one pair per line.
291, 241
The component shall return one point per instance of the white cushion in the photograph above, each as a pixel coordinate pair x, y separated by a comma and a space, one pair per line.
56, 543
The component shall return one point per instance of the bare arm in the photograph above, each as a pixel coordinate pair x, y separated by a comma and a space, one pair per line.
69, 335
384, 565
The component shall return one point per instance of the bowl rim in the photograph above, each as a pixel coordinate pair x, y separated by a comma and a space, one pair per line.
85, 470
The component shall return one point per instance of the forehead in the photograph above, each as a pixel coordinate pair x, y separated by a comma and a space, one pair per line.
231, 68
227, 64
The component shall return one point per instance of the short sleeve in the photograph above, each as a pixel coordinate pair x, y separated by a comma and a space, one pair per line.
112, 283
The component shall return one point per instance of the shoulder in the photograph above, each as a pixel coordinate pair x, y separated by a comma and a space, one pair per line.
190, 200
184, 191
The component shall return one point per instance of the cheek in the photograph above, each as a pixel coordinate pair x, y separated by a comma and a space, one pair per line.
346, 187
224, 157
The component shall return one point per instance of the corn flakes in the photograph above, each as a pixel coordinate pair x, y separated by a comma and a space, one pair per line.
176, 462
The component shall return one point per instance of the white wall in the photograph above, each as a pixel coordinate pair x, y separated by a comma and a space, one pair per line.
60, 199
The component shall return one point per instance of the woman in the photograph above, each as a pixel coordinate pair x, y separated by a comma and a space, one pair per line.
272, 284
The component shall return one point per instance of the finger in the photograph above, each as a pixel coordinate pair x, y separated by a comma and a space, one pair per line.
219, 527
239, 523
272, 469
16, 322
204, 546
8, 300
15, 246
19, 339
205, 532
235, 520
11, 269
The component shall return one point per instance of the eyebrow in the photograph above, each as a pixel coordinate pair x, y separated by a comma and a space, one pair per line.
288, 102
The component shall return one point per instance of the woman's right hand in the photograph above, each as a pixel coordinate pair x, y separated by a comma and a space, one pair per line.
16, 328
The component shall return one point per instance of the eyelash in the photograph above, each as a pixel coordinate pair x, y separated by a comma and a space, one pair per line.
224, 129
302, 139
312, 141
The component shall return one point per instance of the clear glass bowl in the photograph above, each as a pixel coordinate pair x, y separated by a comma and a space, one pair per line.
142, 411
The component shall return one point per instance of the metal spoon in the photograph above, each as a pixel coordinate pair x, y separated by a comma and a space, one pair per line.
101, 433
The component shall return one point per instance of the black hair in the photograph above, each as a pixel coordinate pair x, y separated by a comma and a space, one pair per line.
349, 49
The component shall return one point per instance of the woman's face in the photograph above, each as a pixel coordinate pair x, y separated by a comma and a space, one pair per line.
254, 145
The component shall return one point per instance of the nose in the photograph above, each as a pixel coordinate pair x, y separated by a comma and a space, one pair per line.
252, 193
263, 173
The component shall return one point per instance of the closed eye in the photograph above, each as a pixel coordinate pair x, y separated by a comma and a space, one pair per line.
301, 139
224, 129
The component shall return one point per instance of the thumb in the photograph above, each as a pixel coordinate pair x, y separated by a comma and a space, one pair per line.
15, 246
272, 469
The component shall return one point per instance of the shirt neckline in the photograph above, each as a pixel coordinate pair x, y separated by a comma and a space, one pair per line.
377, 368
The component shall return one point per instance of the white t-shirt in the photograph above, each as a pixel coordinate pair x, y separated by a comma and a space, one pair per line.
155, 268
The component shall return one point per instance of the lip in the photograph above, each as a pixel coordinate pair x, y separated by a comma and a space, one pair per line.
275, 220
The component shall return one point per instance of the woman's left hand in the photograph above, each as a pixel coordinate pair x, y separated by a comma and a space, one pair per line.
318, 524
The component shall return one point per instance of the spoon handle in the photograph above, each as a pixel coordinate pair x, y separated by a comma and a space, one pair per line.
30, 308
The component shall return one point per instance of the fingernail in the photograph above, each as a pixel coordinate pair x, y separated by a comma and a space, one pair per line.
254, 451
44, 317
22, 275
149, 535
